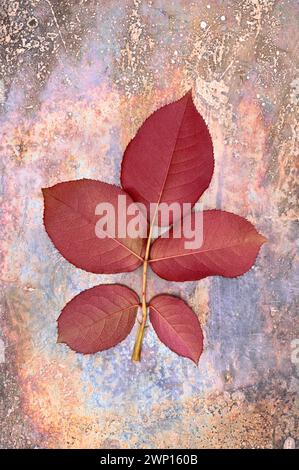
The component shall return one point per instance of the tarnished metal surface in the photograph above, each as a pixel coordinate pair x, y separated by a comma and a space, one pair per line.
78, 79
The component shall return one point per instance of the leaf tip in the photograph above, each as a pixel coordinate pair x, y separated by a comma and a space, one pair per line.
188, 94
45, 191
263, 239
195, 357
60, 339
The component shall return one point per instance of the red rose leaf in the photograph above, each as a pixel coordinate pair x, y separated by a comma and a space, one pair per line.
171, 157
229, 248
70, 220
98, 318
177, 326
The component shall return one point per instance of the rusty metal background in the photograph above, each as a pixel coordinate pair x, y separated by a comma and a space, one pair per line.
78, 77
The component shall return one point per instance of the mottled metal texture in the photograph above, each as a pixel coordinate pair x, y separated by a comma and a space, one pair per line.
78, 79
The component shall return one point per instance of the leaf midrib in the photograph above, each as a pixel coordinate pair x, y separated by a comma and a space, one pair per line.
195, 252
173, 328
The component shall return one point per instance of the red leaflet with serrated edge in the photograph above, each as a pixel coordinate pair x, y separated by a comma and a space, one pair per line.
230, 247
171, 157
177, 326
170, 160
98, 318
70, 220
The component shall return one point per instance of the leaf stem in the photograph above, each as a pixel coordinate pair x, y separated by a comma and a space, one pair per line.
140, 333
